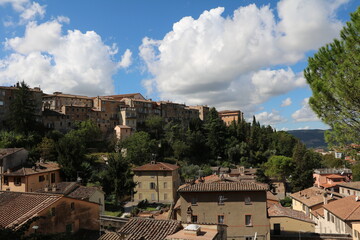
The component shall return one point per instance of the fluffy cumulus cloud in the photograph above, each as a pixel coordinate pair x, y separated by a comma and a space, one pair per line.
27, 9
228, 61
73, 62
305, 114
270, 118
286, 102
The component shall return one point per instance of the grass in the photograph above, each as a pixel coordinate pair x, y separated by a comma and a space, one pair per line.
113, 214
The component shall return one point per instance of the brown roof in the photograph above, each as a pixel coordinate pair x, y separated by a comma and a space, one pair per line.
204, 234
110, 236
149, 229
352, 185
157, 166
347, 208
310, 197
318, 212
276, 210
8, 151
59, 94
224, 186
271, 196
16, 207
73, 190
331, 176
40, 168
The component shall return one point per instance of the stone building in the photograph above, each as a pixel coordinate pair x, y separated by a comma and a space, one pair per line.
156, 182
231, 116
239, 205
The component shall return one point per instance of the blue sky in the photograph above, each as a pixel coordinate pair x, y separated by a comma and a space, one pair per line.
246, 55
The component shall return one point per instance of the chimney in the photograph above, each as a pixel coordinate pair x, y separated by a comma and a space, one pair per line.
192, 230
325, 198
46, 189
54, 187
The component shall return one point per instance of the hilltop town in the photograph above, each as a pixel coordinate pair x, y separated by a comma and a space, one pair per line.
122, 166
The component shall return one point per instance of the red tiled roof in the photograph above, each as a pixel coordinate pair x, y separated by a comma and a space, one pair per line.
110, 236
149, 229
352, 185
157, 166
16, 208
276, 210
8, 151
224, 186
310, 197
40, 168
347, 208
335, 176
318, 212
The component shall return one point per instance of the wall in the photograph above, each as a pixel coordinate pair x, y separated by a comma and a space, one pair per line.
290, 224
356, 231
98, 197
332, 224
234, 210
348, 191
143, 190
15, 159
85, 215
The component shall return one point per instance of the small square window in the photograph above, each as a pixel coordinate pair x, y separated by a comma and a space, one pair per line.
193, 201
194, 219
165, 184
152, 185
220, 219
41, 178
53, 212
17, 181
221, 200
248, 220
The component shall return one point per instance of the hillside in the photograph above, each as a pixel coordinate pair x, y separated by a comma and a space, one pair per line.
313, 138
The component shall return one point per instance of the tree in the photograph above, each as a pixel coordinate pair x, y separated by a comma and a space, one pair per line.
334, 77
117, 178
279, 167
22, 118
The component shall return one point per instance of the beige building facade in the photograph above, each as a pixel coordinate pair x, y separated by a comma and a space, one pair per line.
239, 205
156, 182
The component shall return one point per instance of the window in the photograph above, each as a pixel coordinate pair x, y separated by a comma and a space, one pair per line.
72, 206
69, 228
220, 218
52, 212
139, 184
332, 219
152, 185
53, 178
165, 174
221, 200
41, 178
193, 201
165, 184
1, 103
248, 221
194, 219
249, 238
247, 200
152, 197
6, 180
165, 196
17, 181
140, 196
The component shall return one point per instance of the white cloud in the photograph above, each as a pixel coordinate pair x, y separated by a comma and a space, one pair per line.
304, 128
74, 62
226, 61
27, 9
305, 114
270, 118
286, 102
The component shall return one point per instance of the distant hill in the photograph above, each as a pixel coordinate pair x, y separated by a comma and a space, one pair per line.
312, 138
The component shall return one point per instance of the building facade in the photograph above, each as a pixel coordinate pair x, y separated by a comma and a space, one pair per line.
156, 182
239, 205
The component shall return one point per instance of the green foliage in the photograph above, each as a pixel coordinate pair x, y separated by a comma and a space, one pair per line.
286, 202
356, 171
22, 118
116, 178
333, 75
139, 148
330, 161
279, 167
154, 126
47, 149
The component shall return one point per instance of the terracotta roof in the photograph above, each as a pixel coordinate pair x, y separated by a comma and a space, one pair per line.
224, 186
329, 185
110, 236
40, 168
335, 176
59, 94
311, 196
276, 210
318, 212
149, 229
73, 190
16, 208
271, 196
157, 166
229, 111
8, 151
347, 208
128, 95
352, 185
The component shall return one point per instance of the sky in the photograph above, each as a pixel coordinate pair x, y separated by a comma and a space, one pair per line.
229, 54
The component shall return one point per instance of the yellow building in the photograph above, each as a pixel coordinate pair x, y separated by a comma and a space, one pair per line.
231, 116
30, 179
156, 182
286, 221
